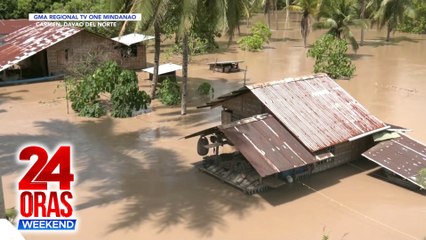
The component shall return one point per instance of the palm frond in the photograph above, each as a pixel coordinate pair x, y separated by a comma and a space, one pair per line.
325, 24
362, 23
350, 37
295, 8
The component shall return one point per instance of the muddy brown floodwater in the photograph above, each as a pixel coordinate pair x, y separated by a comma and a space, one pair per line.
135, 179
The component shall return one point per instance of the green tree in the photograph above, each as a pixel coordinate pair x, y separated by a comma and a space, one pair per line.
418, 23
329, 53
309, 9
338, 16
169, 92
24, 7
7, 8
392, 13
109, 78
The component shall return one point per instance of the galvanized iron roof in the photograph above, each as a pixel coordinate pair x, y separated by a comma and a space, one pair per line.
132, 38
164, 68
403, 156
30, 40
267, 144
317, 110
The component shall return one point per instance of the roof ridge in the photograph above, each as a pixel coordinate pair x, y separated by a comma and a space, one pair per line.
287, 80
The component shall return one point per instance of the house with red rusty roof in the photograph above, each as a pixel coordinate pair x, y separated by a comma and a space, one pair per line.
34, 49
288, 129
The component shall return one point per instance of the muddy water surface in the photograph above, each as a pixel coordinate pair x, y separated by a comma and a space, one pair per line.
135, 179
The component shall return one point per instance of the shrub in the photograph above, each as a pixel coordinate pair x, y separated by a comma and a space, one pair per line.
126, 96
169, 92
260, 34
109, 78
95, 110
330, 57
11, 214
251, 43
205, 88
421, 179
197, 46
260, 29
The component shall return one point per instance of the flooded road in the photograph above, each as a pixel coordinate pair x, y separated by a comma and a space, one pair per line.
135, 178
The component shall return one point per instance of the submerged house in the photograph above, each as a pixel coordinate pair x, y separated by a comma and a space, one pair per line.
38, 51
288, 129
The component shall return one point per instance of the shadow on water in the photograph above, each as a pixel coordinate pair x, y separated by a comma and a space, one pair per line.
197, 117
319, 181
7, 96
193, 118
286, 39
379, 42
381, 175
357, 56
152, 183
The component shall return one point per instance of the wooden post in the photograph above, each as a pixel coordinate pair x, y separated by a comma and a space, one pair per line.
185, 56
157, 35
245, 76
276, 14
214, 67
66, 97
4, 75
217, 155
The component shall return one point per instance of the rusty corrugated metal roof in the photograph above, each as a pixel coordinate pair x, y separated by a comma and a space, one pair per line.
316, 110
10, 25
30, 40
267, 145
403, 156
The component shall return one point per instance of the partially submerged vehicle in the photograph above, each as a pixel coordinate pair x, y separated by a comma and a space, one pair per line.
289, 129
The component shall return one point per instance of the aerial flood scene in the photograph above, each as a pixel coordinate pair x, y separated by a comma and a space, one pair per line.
221, 119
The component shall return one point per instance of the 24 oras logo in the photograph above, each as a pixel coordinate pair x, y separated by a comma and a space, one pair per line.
45, 194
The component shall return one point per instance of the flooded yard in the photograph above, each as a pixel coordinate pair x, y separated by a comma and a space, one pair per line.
135, 178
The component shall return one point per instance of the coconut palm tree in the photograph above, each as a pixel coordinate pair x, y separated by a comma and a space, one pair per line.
268, 6
391, 13
158, 14
309, 9
228, 13
338, 16
363, 6
153, 13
